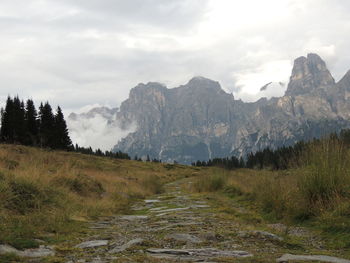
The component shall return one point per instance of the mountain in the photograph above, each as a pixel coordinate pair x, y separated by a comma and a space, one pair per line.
199, 120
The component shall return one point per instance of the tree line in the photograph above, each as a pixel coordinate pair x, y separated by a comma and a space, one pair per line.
99, 152
21, 123
281, 158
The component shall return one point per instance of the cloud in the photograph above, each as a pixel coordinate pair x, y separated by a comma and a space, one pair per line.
97, 129
80, 52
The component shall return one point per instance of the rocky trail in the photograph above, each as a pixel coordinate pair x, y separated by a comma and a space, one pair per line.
179, 226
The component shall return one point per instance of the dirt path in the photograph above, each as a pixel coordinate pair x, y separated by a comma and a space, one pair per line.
180, 226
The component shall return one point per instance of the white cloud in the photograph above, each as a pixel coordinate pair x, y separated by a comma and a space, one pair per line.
96, 131
81, 52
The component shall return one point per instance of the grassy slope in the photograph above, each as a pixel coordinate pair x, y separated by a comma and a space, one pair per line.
270, 197
48, 195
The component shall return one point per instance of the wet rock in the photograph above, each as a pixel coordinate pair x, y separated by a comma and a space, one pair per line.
128, 245
42, 251
92, 244
320, 258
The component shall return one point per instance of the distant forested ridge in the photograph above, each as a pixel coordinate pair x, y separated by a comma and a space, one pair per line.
279, 159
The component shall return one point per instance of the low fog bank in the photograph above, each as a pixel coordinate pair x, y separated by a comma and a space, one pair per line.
97, 128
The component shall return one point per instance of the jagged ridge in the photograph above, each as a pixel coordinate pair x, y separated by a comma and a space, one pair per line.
198, 121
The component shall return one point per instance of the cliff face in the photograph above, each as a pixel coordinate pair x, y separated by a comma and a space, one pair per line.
198, 121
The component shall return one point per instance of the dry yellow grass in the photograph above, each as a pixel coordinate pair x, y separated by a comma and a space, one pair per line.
44, 193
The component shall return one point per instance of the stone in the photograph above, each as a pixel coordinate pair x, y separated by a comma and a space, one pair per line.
42, 251
200, 206
175, 209
92, 244
133, 217
184, 238
151, 201
320, 258
196, 254
128, 245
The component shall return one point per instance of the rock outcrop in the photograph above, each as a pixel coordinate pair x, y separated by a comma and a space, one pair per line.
199, 120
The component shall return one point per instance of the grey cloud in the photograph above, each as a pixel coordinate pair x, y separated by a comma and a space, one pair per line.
76, 52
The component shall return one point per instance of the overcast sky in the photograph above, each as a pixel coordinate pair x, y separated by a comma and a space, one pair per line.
83, 52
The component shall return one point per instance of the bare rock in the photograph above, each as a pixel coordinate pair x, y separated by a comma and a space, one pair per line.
42, 251
196, 254
92, 244
133, 217
128, 245
320, 258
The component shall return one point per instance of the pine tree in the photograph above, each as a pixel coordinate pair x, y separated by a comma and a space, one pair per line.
17, 121
47, 125
6, 122
62, 139
31, 124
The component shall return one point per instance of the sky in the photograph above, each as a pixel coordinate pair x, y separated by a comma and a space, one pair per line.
77, 53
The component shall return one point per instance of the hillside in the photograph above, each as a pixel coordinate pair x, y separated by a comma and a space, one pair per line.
60, 207
48, 196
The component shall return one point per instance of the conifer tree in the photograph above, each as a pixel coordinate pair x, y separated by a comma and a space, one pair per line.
47, 125
31, 123
7, 121
62, 139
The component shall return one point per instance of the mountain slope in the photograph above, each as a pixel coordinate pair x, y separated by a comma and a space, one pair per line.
200, 121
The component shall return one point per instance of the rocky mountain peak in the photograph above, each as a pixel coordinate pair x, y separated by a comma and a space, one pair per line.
309, 73
203, 83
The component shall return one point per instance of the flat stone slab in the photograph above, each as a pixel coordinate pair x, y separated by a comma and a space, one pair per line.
157, 209
128, 245
150, 201
175, 209
196, 254
42, 251
200, 206
289, 257
92, 244
133, 217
